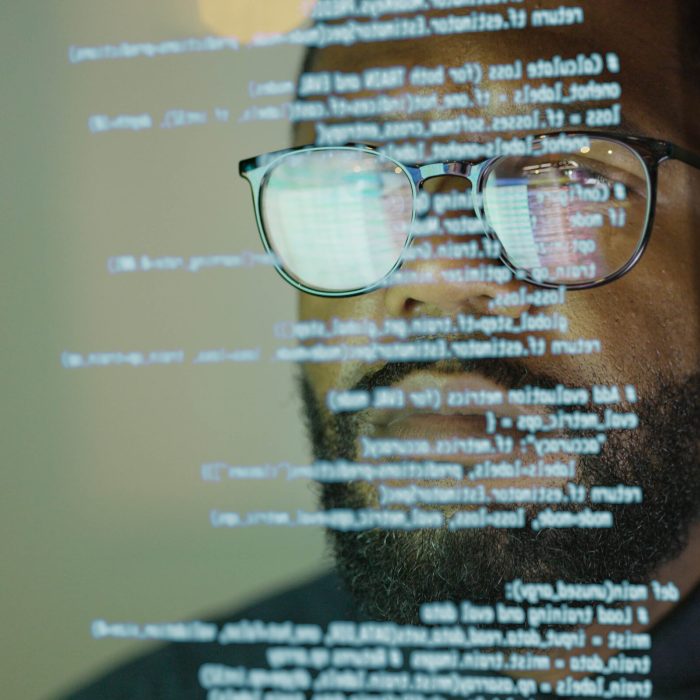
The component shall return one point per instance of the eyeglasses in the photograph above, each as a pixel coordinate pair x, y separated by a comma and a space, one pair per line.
577, 211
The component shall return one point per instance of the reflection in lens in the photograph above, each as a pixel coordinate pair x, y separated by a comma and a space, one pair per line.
337, 218
569, 218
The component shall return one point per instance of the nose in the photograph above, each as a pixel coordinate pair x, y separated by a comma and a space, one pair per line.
449, 281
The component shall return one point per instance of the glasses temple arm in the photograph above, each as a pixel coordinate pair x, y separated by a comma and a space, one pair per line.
679, 153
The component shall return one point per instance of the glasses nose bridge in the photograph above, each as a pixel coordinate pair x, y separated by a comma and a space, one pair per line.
458, 168
453, 168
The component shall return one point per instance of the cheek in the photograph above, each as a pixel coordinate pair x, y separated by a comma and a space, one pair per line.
667, 277
649, 321
620, 319
324, 376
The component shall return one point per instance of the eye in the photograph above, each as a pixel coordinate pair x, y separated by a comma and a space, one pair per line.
621, 182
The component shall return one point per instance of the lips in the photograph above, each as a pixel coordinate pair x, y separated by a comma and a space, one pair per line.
441, 399
435, 426
463, 418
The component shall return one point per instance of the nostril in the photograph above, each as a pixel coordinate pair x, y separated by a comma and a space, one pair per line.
411, 306
482, 304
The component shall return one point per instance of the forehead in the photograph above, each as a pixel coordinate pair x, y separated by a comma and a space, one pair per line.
640, 29
646, 38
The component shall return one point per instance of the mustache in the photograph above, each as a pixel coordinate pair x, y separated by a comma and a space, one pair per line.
509, 373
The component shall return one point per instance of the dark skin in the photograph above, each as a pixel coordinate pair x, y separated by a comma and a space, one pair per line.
648, 321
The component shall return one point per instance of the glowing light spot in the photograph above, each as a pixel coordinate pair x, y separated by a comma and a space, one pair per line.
246, 19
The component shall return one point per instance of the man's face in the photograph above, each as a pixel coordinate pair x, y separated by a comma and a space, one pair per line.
648, 324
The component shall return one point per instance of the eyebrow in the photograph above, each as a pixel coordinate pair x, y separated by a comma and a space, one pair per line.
625, 128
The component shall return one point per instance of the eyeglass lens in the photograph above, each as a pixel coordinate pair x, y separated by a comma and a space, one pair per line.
572, 218
338, 219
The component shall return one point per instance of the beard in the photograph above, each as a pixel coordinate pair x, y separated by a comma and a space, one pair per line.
391, 573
